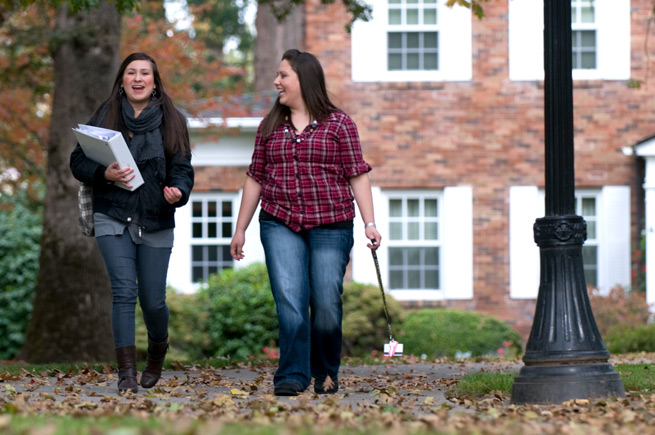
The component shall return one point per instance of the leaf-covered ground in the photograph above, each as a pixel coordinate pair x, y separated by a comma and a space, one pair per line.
406, 397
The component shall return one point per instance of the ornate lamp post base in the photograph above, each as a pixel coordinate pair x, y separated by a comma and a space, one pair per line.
565, 356
559, 383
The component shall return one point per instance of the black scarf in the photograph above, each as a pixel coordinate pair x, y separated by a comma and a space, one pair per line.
147, 144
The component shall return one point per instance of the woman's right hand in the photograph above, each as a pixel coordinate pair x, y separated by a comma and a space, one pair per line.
236, 246
115, 173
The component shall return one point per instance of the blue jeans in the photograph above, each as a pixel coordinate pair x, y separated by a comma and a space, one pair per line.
136, 270
306, 271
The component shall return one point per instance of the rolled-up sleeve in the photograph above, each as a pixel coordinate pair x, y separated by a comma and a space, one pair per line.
258, 163
350, 149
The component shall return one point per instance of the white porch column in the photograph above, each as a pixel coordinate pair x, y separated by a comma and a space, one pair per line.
649, 187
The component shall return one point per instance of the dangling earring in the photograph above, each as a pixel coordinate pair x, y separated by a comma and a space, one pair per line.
154, 94
121, 91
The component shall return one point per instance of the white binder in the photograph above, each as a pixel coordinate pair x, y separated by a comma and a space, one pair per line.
107, 146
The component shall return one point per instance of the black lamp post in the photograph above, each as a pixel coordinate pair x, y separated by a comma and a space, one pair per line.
565, 356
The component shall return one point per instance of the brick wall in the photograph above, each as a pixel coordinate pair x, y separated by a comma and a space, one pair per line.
488, 133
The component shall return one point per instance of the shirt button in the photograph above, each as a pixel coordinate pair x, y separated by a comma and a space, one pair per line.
297, 175
129, 219
297, 140
302, 211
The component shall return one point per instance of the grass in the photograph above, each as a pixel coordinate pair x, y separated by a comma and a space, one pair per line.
638, 378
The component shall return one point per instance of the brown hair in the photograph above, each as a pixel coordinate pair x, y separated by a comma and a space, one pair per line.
174, 129
312, 87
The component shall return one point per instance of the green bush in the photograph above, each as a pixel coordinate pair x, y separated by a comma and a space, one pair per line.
364, 322
441, 332
187, 336
625, 339
241, 317
20, 226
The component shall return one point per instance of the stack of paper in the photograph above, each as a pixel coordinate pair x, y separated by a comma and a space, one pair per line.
106, 147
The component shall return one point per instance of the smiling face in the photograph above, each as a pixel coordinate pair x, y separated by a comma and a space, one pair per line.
138, 83
288, 86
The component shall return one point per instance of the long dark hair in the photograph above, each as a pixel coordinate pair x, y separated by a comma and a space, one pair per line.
312, 87
175, 135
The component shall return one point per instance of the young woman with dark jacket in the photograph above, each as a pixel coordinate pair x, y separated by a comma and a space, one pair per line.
134, 229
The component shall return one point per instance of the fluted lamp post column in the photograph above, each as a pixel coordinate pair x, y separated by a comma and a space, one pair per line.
565, 355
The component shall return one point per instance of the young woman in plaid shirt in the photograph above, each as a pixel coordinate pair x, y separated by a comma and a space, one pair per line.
307, 168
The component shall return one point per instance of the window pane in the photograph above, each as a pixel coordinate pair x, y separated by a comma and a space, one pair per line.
395, 208
226, 229
430, 206
211, 209
226, 209
430, 2
414, 279
590, 262
212, 230
430, 231
396, 231
412, 208
395, 62
588, 39
431, 279
412, 40
196, 274
212, 270
412, 61
395, 40
212, 253
396, 279
574, 14
412, 2
395, 256
394, 2
587, 14
226, 254
430, 40
196, 208
431, 256
429, 16
591, 229
412, 16
196, 230
197, 253
430, 62
412, 231
588, 206
395, 16
588, 61
414, 256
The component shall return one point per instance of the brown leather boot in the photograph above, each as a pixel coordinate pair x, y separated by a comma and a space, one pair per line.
126, 359
154, 363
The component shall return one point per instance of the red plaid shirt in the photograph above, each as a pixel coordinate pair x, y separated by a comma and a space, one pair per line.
304, 177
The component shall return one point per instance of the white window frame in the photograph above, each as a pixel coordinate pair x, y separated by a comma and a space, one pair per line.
420, 28
612, 237
579, 26
205, 220
404, 195
369, 47
526, 42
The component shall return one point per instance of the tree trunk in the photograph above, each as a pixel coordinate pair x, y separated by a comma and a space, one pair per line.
273, 39
71, 319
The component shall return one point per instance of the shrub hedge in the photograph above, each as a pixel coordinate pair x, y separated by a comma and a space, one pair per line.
444, 332
20, 226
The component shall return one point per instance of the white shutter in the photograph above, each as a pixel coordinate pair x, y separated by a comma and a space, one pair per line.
613, 39
523, 251
457, 243
455, 42
368, 45
179, 266
614, 246
526, 39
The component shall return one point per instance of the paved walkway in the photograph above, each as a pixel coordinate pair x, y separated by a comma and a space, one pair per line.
419, 387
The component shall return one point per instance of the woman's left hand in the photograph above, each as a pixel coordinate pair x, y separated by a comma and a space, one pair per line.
172, 194
374, 236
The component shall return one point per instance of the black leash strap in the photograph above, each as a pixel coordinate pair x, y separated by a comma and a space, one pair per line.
384, 299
